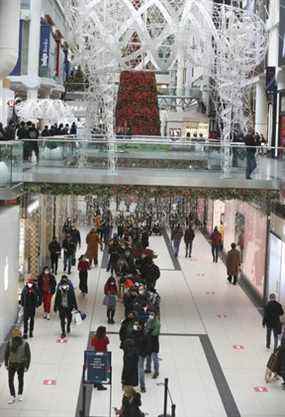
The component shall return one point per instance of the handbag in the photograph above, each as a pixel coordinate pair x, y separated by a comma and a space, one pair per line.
76, 317
106, 300
274, 362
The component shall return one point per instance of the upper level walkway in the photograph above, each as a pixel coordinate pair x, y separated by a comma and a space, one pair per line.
137, 161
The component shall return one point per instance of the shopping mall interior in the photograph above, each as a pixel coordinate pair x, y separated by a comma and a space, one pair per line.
142, 208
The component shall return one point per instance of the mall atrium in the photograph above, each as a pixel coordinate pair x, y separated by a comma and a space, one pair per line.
142, 208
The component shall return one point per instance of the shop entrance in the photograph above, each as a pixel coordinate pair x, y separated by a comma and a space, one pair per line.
276, 269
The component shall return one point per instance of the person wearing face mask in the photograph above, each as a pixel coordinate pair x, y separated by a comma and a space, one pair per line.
126, 329
55, 251
17, 360
143, 351
67, 226
129, 300
65, 302
30, 300
152, 329
47, 286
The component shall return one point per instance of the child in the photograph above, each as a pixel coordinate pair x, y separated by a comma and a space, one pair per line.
83, 266
110, 301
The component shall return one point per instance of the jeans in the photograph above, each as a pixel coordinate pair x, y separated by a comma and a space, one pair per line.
154, 359
28, 316
12, 370
268, 337
64, 314
215, 252
176, 246
141, 371
250, 163
54, 263
189, 247
67, 262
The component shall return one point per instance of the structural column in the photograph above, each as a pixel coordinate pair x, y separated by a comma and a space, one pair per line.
34, 47
261, 109
180, 80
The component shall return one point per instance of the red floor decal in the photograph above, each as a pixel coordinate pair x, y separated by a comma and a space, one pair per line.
60, 340
49, 382
238, 347
260, 389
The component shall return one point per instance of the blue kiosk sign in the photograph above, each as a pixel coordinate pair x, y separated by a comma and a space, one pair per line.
97, 367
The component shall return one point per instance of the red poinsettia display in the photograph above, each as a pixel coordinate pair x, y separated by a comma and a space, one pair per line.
137, 110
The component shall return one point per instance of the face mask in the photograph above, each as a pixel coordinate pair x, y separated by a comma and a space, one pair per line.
151, 317
30, 284
64, 287
46, 272
136, 327
141, 292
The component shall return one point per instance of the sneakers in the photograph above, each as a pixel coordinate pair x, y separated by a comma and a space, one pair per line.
101, 388
147, 371
155, 375
25, 336
48, 317
143, 389
11, 400
45, 316
20, 398
63, 335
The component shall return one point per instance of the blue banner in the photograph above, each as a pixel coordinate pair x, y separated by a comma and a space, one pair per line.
97, 367
44, 50
17, 69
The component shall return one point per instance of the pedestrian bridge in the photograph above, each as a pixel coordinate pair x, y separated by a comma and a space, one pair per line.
138, 162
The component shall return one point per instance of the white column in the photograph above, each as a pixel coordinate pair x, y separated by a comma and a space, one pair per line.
34, 47
188, 81
180, 80
261, 109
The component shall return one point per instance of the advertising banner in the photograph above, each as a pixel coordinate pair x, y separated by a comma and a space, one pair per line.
17, 69
282, 34
44, 50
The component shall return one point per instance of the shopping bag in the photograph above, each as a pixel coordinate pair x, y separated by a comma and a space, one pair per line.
76, 317
106, 300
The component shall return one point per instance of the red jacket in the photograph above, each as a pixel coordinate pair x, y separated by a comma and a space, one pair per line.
83, 266
111, 287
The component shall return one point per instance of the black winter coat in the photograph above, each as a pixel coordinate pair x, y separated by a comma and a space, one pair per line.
71, 299
272, 312
30, 299
130, 368
150, 273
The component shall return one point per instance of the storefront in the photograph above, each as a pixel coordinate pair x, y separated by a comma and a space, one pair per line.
276, 259
246, 225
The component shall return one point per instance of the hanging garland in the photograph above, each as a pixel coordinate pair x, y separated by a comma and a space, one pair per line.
261, 197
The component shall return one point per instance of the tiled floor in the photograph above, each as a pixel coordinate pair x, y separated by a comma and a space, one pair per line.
196, 300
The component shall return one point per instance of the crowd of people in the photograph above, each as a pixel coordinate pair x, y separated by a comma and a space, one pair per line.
132, 281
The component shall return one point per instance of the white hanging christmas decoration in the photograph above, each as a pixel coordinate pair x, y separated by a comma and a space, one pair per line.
54, 111
108, 36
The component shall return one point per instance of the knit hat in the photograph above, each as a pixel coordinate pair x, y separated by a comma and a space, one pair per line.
16, 332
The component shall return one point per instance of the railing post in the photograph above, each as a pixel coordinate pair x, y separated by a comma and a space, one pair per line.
173, 410
164, 414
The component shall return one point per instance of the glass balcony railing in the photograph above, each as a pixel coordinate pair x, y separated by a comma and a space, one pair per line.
157, 156
11, 163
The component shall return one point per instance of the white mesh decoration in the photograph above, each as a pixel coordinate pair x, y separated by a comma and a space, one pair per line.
109, 36
54, 111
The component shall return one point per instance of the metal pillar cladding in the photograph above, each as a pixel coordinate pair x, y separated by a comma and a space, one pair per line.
32, 243
9, 35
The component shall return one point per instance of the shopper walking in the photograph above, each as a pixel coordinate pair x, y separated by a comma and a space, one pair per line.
189, 236
250, 142
271, 319
17, 361
30, 300
47, 286
216, 240
153, 332
69, 249
233, 262
100, 343
83, 267
93, 241
55, 251
176, 238
65, 302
